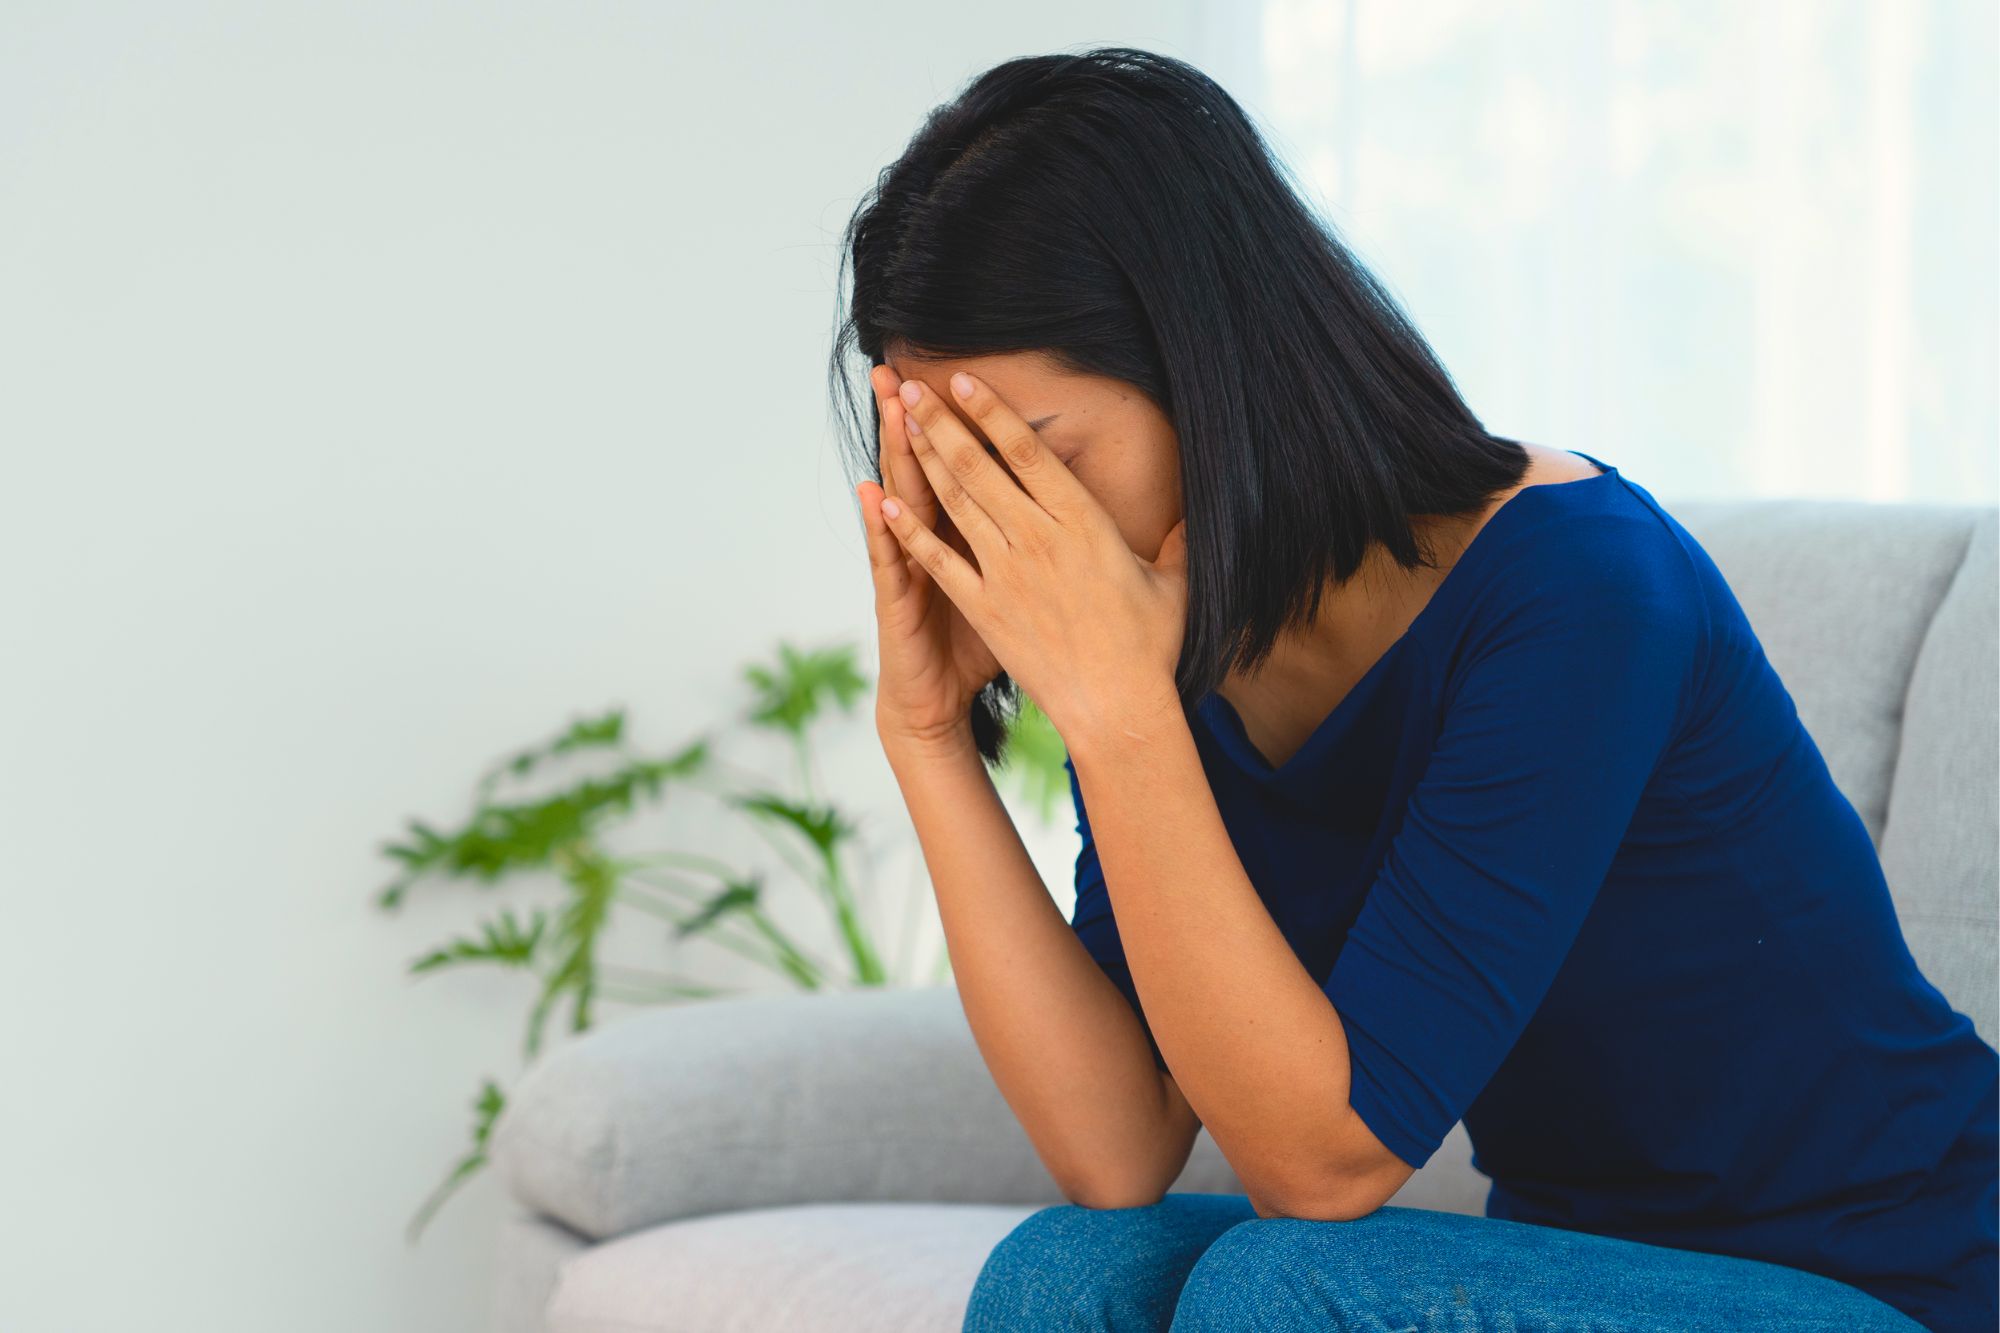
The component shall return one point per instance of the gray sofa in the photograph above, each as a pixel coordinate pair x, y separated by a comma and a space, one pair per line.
844, 1162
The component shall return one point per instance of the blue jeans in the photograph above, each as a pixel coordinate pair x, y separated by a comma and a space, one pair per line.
1198, 1263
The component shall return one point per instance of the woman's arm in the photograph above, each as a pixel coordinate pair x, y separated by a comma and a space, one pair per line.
1255, 1044
1092, 631
1061, 1041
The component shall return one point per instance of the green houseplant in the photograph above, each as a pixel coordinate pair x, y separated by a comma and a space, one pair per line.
594, 783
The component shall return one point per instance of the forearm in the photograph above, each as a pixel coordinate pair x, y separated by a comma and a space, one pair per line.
1061, 1041
1255, 1046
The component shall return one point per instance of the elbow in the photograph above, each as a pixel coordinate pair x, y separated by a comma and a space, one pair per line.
1112, 1195
1334, 1194
1139, 1185
1343, 1180
1340, 1202
1317, 1205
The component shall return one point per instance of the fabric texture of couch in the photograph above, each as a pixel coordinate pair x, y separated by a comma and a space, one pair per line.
843, 1161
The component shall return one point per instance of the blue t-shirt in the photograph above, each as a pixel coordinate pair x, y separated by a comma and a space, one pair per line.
1570, 869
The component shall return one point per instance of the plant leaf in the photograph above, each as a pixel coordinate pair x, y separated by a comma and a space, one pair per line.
738, 896
502, 838
486, 1108
823, 825
789, 694
503, 941
607, 730
592, 880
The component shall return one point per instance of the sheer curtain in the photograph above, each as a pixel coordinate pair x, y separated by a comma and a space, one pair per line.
1735, 249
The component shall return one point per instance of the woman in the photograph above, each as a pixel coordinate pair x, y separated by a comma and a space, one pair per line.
1422, 774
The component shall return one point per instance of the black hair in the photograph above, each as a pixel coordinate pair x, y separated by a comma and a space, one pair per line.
1116, 211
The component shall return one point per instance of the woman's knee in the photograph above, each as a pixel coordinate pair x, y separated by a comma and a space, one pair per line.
1406, 1269
1098, 1270
1288, 1272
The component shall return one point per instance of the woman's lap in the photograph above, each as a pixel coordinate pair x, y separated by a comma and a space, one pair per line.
1202, 1263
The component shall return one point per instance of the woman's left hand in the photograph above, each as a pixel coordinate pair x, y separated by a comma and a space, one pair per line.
1090, 630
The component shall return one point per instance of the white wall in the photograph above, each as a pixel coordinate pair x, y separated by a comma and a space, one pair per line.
380, 385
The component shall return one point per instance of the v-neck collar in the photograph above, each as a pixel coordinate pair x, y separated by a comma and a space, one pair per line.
1227, 725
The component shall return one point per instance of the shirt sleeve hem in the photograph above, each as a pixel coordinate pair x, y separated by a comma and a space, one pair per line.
1365, 1102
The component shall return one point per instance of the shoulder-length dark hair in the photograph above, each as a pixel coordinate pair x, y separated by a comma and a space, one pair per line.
1116, 211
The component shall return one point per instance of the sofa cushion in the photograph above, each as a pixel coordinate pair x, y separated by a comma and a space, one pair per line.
833, 1268
532, 1250
1941, 849
767, 1100
1840, 593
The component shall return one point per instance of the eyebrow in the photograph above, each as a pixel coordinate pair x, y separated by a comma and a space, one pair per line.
1040, 422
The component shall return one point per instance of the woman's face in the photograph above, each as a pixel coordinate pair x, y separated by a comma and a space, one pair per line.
1111, 437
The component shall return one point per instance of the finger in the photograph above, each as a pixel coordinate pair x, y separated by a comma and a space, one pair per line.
948, 533
976, 491
1049, 485
891, 567
902, 476
913, 482
947, 568
881, 379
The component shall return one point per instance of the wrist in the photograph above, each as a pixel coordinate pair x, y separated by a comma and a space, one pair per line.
1141, 721
946, 745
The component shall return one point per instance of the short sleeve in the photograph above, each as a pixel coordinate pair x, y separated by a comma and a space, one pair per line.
1560, 708
1092, 920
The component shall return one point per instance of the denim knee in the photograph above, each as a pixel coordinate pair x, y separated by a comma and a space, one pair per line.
1288, 1272
1071, 1269
1402, 1269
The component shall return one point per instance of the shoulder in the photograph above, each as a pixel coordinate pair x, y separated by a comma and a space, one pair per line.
1599, 563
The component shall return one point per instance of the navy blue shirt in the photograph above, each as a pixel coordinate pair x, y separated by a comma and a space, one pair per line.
1570, 869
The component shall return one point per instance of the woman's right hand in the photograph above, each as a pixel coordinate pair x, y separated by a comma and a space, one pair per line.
933, 663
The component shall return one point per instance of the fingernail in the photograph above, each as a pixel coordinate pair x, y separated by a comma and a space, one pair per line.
961, 384
912, 392
890, 509
912, 425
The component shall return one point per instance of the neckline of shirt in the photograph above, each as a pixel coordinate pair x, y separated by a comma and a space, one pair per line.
1235, 739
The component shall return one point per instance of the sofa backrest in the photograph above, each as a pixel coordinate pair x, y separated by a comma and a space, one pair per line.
1881, 619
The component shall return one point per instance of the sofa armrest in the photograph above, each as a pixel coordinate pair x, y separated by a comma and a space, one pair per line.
770, 1100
